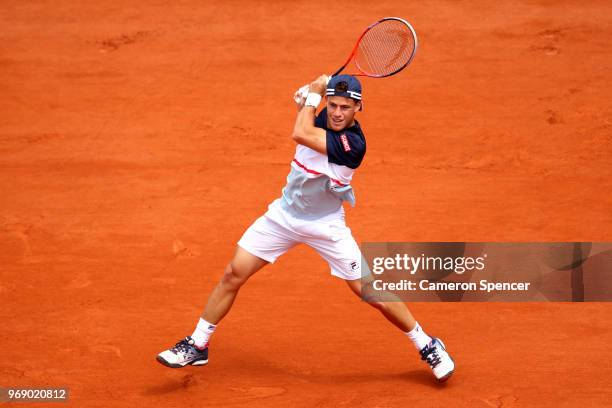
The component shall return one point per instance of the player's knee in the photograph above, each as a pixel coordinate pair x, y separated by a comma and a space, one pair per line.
232, 280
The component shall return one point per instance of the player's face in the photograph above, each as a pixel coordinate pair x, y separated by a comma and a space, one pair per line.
341, 112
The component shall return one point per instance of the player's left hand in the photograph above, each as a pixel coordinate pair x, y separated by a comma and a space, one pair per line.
300, 96
319, 85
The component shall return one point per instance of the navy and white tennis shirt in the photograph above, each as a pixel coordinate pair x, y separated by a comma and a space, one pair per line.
318, 184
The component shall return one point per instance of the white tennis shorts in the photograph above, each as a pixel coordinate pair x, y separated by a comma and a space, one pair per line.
275, 232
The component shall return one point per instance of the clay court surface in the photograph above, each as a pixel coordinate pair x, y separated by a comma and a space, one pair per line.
138, 142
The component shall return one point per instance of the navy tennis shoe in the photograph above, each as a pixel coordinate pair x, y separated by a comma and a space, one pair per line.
183, 353
439, 360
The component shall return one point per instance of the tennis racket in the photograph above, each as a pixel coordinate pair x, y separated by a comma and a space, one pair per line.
383, 49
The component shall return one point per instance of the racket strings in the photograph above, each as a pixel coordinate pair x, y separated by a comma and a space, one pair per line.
385, 48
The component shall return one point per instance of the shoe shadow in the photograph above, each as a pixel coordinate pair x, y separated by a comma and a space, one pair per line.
180, 383
423, 377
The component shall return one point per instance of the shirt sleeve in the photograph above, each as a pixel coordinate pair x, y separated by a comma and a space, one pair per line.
346, 148
321, 119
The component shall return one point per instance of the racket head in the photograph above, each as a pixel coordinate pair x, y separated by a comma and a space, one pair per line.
385, 48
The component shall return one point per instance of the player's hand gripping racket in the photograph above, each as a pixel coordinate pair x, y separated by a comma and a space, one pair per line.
383, 49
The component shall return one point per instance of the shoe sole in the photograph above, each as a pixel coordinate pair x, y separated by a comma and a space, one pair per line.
172, 365
446, 377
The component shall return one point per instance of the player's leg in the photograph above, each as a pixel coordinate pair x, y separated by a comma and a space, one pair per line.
262, 243
237, 272
395, 312
338, 247
432, 350
391, 307
193, 350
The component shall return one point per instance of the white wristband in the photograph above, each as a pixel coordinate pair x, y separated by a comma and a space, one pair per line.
313, 99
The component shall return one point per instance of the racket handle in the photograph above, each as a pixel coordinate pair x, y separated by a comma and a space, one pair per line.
338, 71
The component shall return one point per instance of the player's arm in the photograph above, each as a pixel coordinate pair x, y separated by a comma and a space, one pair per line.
304, 130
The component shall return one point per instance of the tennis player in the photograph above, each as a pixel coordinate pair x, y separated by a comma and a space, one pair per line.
330, 148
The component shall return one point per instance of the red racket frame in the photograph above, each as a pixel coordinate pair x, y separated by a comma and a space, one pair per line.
352, 55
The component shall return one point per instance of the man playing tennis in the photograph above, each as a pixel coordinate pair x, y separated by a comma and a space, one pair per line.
330, 147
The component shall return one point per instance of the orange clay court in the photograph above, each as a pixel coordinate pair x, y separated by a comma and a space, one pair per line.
139, 141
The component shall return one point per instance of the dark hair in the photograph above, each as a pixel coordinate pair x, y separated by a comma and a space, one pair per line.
341, 86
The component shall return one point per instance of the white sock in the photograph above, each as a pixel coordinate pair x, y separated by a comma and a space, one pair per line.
419, 338
203, 331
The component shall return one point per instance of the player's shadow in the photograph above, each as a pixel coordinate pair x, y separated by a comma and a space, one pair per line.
422, 377
303, 372
246, 366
